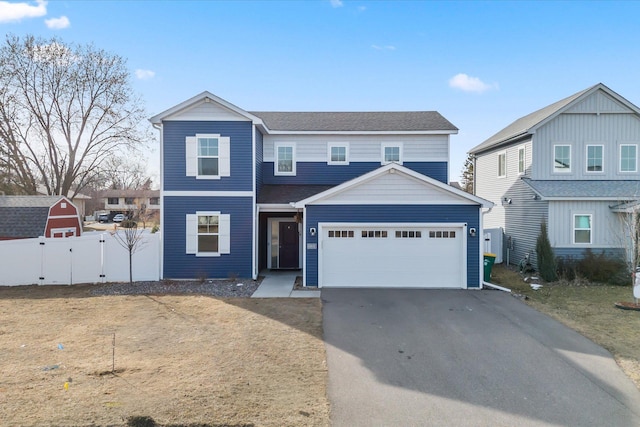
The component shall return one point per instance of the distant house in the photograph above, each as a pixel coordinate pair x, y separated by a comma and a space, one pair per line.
79, 199
23, 217
574, 165
127, 201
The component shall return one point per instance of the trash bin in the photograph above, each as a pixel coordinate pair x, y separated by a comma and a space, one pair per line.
489, 259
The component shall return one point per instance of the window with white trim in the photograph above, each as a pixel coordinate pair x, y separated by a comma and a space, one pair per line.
582, 227
208, 156
562, 158
208, 234
628, 158
285, 159
338, 154
502, 165
595, 158
521, 160
391, 153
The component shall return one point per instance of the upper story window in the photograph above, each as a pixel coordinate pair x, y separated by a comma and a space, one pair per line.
595, 159
521, 159
338, 154
391, 153
113, 200
562, 158
208, 156
154, 200
628, 158
285, 159
582, 229
502, 165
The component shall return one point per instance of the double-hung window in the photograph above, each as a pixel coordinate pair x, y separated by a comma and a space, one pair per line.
562, 158
391, 153
338, 153
208, 156
285, 159
502, 165
521, 160
208, 234
582, 228
628, 158
595, 158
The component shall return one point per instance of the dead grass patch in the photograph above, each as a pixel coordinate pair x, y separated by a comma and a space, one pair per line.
179, 360
589, 309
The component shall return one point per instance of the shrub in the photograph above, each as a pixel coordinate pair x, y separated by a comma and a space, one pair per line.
596, 268
155, 228
546, 259
129, 223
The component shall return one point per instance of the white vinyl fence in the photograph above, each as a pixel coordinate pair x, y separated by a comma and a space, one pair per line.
94, 257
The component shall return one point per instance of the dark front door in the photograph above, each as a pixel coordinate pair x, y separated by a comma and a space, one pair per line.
289, 248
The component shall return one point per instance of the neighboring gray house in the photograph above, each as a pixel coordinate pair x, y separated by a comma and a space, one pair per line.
572, 164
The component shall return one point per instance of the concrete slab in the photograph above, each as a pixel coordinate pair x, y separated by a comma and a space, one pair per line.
305, 294
276, 284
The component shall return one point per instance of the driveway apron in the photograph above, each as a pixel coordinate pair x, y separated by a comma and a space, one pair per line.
464, 358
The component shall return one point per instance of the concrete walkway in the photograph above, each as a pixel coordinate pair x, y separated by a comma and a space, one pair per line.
279, 284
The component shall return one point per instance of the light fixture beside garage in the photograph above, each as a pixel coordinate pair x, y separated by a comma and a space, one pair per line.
312, 231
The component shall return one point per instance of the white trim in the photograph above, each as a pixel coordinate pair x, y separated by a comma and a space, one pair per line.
161, 196
344, 145
304, 247
554, 170
586, 159
63, 231
574, 229
63, 216
255, 213
353, 132
276, 207
386, 145
502, 154
522, 149
278, 220
625, 144
183, 193
276, 146
393, 168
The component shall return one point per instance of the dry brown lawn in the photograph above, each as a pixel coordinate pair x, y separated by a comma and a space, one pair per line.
180, 360
588, 309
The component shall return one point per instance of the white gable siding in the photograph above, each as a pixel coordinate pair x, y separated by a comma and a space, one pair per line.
605, 228
207, 111
362, 148
392, 188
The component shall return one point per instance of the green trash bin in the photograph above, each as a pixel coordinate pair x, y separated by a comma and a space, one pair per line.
489, 259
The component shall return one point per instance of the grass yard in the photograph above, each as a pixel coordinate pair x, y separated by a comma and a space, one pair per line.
588, 309
180, 360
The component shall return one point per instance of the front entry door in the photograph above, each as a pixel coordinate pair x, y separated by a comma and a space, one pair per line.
288, 245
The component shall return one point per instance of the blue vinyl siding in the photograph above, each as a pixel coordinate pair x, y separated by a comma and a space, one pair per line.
320, 173
259, 157
578, 253
179, 265
391, 213
175, 179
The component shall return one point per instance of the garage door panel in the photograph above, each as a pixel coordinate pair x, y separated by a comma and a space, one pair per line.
391, 256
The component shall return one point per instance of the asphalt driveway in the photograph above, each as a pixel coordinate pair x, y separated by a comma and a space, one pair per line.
464, 358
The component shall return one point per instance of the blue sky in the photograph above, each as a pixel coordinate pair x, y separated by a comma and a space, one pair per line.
480, 64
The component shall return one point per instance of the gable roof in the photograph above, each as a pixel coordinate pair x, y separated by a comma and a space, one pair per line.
380, 121
528, 124
587, 189
285, 194
393, 168
25, 216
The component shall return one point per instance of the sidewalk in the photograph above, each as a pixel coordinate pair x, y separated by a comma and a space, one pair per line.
279, 284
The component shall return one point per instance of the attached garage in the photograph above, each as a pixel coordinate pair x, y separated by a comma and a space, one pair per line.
412, 255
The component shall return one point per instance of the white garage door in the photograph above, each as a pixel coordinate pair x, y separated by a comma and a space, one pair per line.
405, 256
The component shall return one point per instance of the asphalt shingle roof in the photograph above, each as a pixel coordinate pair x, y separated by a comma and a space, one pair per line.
355, 121
614, 189
24, 216
281, 194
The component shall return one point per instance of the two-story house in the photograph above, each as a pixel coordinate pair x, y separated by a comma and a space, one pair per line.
350, 198
131, 201
573, 165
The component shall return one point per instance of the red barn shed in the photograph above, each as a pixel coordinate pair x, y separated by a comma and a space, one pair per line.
23, 217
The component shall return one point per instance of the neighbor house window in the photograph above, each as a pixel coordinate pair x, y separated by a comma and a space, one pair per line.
391, 153
154, 200
521, 157
338, 154
129, 200
594, 158
502, 165
285, 160
113, 200
582, 229
562, 158
208, 156
628, 158
208, 233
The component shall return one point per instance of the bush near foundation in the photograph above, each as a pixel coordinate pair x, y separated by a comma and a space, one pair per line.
595, 268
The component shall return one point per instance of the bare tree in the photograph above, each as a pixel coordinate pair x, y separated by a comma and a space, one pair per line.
123, 173
629, 236
467, 175
129, 236
63, 110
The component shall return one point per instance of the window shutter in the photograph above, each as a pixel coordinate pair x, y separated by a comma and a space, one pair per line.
224, 230
192, 234
191, 151
224, 151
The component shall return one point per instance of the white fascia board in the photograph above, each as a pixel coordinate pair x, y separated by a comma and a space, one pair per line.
158, 118
276, 207
587, 198
175, 193
401, 169
358, 132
